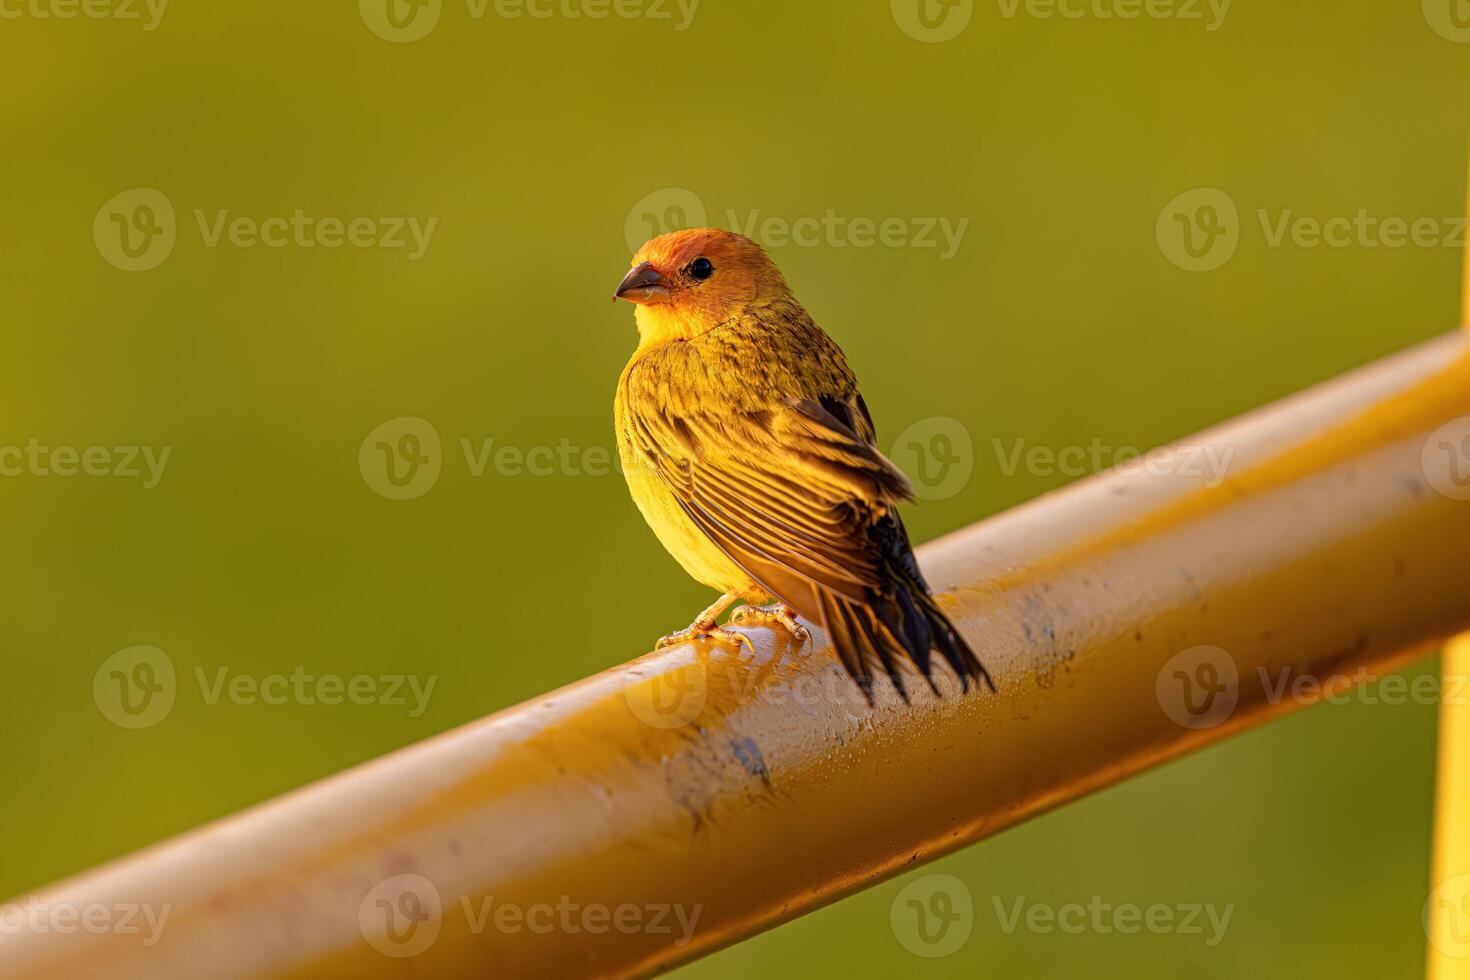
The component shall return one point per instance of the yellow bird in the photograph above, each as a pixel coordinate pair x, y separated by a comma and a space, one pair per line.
750, 452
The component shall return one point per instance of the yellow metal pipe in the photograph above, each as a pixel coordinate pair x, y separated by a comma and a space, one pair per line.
681, 802
1447, 910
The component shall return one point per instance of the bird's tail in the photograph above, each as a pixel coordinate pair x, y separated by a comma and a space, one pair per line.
903, 621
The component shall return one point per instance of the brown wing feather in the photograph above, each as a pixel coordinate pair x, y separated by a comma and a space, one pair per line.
787, 496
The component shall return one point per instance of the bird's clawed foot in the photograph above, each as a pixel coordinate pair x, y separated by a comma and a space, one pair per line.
779, 614
705, 630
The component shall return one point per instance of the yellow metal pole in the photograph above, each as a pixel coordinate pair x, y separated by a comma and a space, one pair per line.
691, 798
1447, 911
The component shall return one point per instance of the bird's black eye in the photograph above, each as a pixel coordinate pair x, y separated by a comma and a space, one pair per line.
701, 269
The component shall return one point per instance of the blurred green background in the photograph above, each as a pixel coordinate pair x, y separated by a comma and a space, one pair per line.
535, 143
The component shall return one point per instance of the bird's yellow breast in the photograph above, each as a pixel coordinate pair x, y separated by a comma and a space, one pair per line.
680, 536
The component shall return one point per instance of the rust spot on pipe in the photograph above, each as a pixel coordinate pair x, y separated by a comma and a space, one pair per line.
749, 755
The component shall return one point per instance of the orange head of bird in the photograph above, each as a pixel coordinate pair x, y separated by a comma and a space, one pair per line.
688, 282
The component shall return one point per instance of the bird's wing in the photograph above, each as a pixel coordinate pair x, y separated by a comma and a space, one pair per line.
790, 493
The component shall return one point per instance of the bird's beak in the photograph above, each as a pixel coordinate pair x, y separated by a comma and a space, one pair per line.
643, 286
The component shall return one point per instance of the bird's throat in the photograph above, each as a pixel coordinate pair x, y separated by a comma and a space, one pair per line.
662, 323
